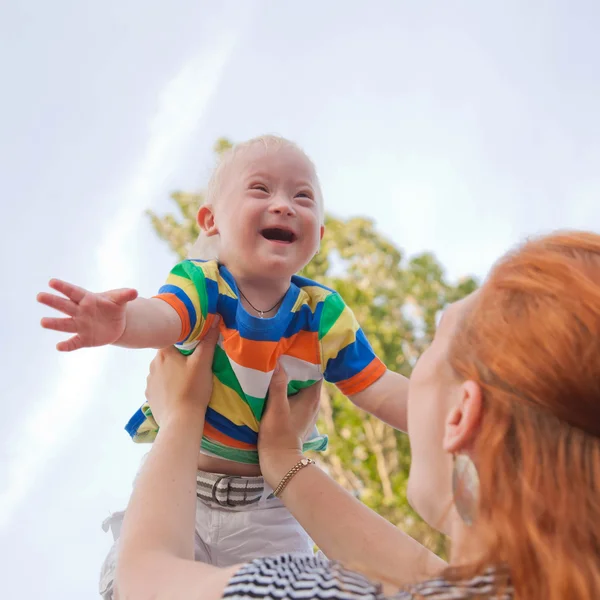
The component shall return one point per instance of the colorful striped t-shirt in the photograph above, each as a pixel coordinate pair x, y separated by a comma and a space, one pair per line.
314, 335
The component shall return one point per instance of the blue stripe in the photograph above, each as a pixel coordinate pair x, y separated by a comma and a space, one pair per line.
212, 293
303, 319
241, 433
227, 308
181, 295
350, 361
134, 423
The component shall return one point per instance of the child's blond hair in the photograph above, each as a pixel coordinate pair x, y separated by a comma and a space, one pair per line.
207, 248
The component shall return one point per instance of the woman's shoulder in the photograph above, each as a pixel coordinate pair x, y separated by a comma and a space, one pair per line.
488, 584
302, 576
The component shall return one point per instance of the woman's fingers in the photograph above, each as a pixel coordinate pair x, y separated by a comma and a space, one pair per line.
305, 405
309, 397
277, 402
203, 354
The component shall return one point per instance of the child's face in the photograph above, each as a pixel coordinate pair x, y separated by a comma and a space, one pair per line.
268, 216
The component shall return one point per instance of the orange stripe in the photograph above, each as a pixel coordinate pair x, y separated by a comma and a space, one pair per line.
216, 436
251, 354
174, 302
303, 345
262, 355
361, 381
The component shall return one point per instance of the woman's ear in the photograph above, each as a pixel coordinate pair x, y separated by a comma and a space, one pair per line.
206, 220
464, 418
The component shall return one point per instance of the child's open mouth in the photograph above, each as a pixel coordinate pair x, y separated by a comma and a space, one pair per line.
276, 234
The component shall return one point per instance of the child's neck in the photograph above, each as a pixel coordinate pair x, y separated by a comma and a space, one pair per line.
261, 294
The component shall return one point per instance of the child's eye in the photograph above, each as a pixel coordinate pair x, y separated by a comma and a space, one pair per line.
260, 187
304, 195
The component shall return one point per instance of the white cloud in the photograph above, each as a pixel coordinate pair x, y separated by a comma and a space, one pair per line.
181, 106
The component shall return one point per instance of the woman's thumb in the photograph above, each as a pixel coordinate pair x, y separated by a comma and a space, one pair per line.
278, 398
206, 348
212, 335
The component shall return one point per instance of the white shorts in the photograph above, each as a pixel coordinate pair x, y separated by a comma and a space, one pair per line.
237, 519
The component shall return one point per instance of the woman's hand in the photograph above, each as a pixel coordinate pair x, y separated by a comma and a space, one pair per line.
285, 425
178, 383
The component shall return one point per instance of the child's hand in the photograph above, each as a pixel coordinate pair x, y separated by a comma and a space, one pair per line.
95, 319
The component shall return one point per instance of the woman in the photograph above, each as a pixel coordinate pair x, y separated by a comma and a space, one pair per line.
504, 424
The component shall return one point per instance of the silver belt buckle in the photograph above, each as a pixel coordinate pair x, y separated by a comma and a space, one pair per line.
227, 490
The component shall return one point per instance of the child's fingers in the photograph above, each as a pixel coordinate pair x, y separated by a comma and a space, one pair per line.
74, 343
68, 307
71, 291
122, 296
65, 325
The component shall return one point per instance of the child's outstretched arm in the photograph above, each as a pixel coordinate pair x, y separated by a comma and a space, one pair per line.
115, 317
386, 399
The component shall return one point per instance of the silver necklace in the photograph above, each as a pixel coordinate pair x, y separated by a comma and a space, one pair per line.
261, 313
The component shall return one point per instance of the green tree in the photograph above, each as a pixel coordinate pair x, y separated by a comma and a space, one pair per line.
396, 300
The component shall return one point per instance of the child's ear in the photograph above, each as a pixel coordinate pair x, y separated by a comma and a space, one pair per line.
322, 232
206, 220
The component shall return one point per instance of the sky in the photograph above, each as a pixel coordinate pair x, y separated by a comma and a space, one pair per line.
459, 127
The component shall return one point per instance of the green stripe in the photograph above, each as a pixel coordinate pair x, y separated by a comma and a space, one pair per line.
248, 457
317, 444
333, 307
295, 386
257, 406
224, 372
188, 270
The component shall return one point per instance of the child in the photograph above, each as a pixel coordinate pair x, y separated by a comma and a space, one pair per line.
263, 220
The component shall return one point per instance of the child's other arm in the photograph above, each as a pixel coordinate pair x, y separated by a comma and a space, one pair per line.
386, 399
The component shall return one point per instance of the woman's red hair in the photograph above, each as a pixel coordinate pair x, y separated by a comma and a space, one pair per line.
531, 340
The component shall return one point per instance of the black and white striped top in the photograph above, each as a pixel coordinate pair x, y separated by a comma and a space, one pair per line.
301, 577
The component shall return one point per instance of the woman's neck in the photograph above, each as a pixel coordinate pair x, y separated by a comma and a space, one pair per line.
465, 548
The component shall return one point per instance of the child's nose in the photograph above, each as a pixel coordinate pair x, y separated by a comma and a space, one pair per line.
282, 206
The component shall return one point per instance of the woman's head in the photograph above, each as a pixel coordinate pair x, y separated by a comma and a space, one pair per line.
263, 209
513, 381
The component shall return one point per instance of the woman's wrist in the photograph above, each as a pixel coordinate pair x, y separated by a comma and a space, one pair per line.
276, 465
184, 417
